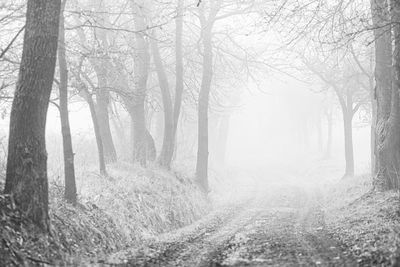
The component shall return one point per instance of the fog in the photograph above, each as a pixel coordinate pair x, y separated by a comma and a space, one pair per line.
199, 132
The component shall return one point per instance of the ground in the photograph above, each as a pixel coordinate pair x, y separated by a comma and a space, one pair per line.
281, 226
273, 220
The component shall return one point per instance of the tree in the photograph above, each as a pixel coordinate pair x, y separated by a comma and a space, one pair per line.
344, 79
26, 177
167, 149
141, 65
87, 95
384, 95
207, 23
98, 59
171, 112
394, 119
69, 169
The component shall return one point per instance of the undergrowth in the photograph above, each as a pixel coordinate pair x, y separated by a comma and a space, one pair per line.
367, 222
114, 212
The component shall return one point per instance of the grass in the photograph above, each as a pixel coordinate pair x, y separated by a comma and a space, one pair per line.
368, 223
114, 212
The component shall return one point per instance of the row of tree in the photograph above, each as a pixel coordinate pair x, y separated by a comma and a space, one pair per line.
131, 54
105, 62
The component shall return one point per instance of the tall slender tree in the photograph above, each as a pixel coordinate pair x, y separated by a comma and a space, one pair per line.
69, 168
171, 111
26, 177
207, 22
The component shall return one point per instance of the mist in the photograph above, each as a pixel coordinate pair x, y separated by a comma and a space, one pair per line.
199, 133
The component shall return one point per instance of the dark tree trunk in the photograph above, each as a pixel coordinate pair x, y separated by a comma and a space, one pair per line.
69, 169
202, 150
26, 177
383, 90
167, 149
391, 145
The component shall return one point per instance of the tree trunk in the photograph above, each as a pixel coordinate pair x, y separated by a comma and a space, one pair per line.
167, 149
383, 90
348, 141
391, 146
373, 135
178, 68
69, 169
141, 65
26, 176
202, 149
102, 103
101, 67
97, 133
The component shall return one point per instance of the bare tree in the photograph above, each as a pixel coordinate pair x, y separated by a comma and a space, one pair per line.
69, 169
26, 177
344, 80
141, 66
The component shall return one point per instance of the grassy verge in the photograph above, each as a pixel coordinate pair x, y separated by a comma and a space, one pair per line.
113, 213
367, 223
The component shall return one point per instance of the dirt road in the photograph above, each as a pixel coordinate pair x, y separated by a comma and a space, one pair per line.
283, 226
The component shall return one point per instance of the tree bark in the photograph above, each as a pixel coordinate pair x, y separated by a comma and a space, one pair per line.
383, 90
69, 168
178, 68
141, 65
102, 103
391, 145
97, 133
167, 149
202, 149
373, 134
26, 176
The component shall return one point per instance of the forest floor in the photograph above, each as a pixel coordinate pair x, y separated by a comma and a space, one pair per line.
281, 228
113, 213
272, 221
283, 224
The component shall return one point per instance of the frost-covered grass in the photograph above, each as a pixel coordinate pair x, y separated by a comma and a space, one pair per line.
114, 212
143, 202
367, 223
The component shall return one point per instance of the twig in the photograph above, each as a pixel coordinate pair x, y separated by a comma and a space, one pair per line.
12, 41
